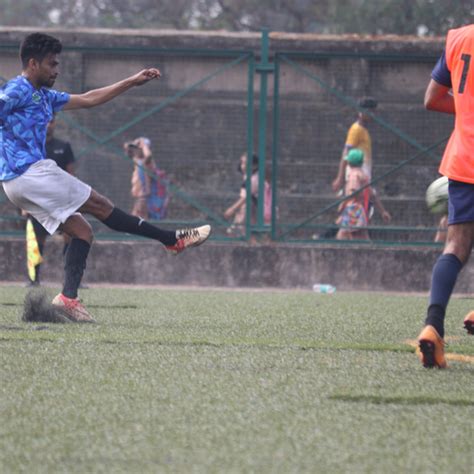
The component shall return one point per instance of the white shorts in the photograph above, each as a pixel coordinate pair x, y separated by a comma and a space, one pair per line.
48, 193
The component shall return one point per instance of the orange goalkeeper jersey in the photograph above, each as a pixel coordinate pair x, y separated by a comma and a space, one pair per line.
458, 158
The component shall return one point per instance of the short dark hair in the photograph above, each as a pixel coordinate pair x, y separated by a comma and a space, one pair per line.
254, 163
38, 46
367, 103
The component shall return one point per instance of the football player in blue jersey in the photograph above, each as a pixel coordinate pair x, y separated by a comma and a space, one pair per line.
39, 186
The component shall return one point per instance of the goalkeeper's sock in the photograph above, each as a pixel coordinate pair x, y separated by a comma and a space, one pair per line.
122, 222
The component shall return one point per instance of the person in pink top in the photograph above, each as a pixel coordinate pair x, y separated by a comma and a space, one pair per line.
354, 219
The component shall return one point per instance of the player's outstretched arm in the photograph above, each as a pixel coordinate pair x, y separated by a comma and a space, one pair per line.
104, 94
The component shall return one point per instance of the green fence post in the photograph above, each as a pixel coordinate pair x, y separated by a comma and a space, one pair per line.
264, 68
250, 135
276, 122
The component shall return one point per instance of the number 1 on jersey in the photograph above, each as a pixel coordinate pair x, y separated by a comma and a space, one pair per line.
467, 62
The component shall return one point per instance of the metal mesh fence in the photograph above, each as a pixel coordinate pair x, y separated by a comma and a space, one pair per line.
201, 117
316, 103
197, 118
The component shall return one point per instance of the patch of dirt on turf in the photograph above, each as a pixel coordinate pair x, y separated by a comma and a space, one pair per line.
38, 309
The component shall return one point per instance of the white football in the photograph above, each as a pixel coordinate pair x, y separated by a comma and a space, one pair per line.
437, 196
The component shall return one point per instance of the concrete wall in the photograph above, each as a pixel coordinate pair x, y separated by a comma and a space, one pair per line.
215, 40
241, 265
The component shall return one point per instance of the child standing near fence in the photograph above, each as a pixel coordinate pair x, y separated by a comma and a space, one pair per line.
354, 212
238, 208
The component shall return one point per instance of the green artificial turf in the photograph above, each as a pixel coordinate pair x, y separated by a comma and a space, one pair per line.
222, 381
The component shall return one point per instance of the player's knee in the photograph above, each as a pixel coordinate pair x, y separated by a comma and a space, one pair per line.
84, 232
462, 250
464, 255
89, 233
459, 242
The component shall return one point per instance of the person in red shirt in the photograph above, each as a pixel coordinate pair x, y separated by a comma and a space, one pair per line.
451, 90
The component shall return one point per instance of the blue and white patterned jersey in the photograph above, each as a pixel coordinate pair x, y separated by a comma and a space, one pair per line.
24, 116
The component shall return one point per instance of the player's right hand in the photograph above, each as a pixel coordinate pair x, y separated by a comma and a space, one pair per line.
146, 75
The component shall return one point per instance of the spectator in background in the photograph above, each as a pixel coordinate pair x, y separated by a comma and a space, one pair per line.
61, 152
358, 136
354, 212
238, 208
149, 186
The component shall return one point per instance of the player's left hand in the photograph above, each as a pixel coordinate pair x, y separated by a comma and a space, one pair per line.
146, 75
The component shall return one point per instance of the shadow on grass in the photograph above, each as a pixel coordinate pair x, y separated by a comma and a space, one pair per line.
400, 400
103, 306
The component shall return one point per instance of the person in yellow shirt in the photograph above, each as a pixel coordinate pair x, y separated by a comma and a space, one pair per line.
358, 136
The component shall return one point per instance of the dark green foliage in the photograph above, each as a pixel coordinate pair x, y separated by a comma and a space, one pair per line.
433, 17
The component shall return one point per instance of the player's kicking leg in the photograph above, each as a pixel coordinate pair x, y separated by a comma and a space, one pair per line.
189, 238
81, 232
116, 219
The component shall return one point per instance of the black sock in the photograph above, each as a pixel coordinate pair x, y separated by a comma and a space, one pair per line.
445, 273
123, 222
74, 266
435, 318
